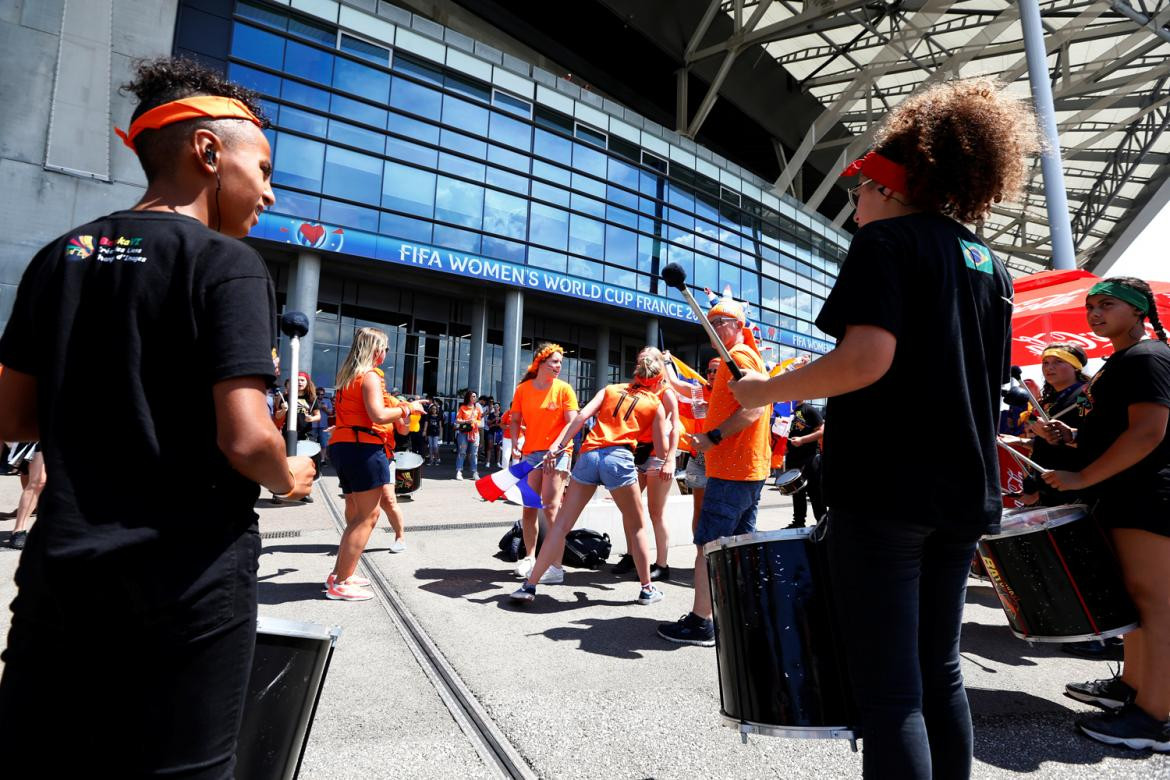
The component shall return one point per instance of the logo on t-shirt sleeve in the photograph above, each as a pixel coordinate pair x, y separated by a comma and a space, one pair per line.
976, 256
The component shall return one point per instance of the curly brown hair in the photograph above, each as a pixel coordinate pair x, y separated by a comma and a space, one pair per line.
165, 79
965, 146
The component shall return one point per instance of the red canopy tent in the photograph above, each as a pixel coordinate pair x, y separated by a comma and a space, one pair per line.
1050, 306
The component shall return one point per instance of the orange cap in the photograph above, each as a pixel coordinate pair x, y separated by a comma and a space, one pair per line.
198, 107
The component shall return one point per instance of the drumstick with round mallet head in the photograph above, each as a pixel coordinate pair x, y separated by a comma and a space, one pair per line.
1022, 459
676, 276
293, 324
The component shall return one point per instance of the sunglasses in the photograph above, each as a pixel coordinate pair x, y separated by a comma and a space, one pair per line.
855, 192
715, 323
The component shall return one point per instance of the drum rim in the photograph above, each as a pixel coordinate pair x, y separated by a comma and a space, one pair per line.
739, 540
277, 626
797, 473
797, 732
1053, 639
421, 460
1047, 525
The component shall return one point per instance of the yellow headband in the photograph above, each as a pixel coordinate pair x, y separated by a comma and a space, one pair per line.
544, 355
1064, 355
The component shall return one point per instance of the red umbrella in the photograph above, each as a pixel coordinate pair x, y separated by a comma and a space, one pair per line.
1050, 306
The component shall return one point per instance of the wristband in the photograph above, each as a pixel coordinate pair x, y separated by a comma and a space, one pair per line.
715, 435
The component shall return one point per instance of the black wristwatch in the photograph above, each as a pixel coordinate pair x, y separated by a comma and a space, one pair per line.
715, 435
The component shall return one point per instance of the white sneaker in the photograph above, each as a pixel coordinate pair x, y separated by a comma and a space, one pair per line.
524, 567
475, 475
459, 475
554, 575
398, 546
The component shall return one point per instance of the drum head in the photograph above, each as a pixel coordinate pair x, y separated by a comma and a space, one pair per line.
308, 449
1025, 521
407, 460
759, 537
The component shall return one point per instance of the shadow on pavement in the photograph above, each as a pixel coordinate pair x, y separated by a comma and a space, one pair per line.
275, 574
623, 637
546, 605
461, 583
983, 595
1018, 732
299, 549
285, 592
996, 643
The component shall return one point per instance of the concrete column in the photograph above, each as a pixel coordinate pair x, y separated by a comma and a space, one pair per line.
601, 370
652, 332
304, 282
1063, 251
478, 342
513, 325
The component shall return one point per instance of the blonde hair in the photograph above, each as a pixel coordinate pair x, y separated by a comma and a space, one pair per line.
649, 364
366, 343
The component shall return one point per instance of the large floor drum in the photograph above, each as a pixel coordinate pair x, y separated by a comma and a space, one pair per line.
781, 663
1057, 576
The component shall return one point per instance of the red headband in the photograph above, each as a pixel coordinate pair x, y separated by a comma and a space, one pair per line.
199, 107
883, 170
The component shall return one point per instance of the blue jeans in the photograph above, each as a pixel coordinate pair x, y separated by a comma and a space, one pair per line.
900, 587
729, 508
466, 449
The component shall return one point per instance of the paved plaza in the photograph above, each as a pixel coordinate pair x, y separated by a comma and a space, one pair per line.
578, 683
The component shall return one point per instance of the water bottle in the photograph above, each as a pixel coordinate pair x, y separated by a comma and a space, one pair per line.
698, 403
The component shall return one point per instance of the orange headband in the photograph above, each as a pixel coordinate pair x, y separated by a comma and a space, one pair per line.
543, 355
200, 107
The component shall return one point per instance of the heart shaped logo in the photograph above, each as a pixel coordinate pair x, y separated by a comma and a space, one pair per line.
311, 233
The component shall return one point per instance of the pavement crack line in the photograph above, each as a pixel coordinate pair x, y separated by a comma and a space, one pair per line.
486, 737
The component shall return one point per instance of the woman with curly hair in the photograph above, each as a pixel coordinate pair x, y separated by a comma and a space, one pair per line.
1123, 440
920, 301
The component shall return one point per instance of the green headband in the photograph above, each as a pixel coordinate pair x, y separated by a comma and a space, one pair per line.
1122, 292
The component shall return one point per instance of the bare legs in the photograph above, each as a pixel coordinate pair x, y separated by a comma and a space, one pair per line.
361, 515
1147, 651
30, 492
551, 487
388, 502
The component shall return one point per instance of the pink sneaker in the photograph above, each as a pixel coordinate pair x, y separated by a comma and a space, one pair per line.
345, 591
358, 580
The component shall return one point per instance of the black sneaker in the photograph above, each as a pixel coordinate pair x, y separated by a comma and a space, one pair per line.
625, 564
690, 629
1129, 727
659, 573
1111, 693
17, 540
795, 524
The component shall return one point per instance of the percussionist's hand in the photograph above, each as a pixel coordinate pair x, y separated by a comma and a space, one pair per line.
751, 391
701, 442
303, 471
1065, 480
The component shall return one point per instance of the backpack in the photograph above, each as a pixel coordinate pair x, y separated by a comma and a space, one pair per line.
586, 549
512, 543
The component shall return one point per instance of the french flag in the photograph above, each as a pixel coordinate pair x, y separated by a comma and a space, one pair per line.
509, 482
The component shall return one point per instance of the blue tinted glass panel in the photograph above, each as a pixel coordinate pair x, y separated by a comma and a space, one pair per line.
543, 170
312, 32
464, 115
507, 181
405, 150
457, 239
296, 119
681, 219
304, 95
457, 142
359, 111
586, 236
651, 185
405, 227
470, 87
505, 215
586, 269
349, 215
621, 197
588, 185
296, 204
553, 147
269, 16
622, 217
684, 257
510, 103
620, 277
543, 258
751, 287
548, 226
420, 71
648, 249
459, 202
587, 158
264, 83
729, 275
595, 208
308, 62
552, 194
353, 176
509, 159
367, 51
621, 246
415, 98
622, 173
706, 272
414, 129
408, 189
461, 166
298, 162
510, 131
253, 45
677, 196
361, 80
345, 133
511, 251
705, 208
269, 108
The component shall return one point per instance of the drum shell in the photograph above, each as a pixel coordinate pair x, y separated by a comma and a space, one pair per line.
1060, 582
779, 656
790, 482
407, 472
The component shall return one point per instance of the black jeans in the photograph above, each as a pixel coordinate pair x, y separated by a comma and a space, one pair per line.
900, 587
103, 677
811, 470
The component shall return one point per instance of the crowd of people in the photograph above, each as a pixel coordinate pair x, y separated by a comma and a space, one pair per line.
917, 289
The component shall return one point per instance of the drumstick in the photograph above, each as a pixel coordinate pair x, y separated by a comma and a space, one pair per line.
293, 324
1036, 403
676, 276
1022, 459
1063, 411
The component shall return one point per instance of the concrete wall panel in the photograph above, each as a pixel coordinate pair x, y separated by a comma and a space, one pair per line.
27, 60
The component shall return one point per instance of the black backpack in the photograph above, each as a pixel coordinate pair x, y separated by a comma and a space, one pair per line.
586, 549
512, 543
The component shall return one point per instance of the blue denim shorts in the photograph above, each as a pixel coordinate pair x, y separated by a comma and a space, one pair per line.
610, 466
537, 459
729, 509
360, 467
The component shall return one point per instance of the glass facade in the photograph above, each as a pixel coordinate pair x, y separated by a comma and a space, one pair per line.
373, 139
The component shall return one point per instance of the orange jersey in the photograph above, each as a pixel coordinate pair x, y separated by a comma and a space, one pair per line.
349, 407
623, 415
648, 434
543, 412
745, 456
506, 423
469, 414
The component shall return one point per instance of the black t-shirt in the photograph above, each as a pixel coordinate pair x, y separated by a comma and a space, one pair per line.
148, 310
1139, 374
1058, 456
433, 420
930, 282
805, 420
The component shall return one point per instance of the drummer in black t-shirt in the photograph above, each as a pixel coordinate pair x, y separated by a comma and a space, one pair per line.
920, 304
135, 616
1062, 397
1124, 440
804, 452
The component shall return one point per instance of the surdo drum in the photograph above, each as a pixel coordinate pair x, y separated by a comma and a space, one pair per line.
781, 665
407, 472
1057, 576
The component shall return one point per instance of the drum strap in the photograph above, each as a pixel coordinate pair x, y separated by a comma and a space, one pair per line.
367, 431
